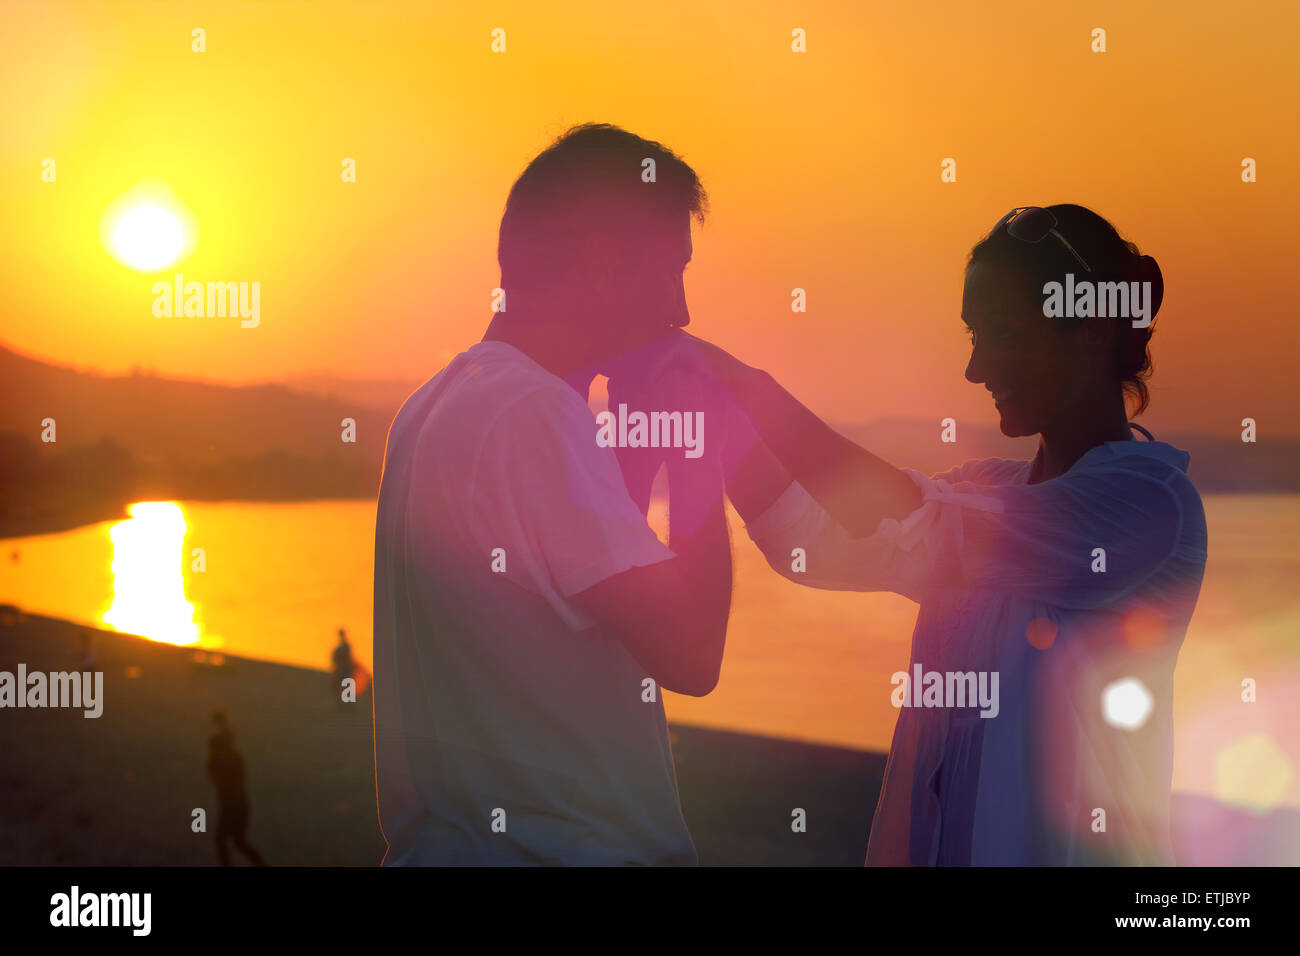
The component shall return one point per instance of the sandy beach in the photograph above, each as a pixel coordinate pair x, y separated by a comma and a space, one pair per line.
121, 789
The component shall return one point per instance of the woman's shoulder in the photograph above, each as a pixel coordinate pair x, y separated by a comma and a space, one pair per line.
986, 471
1152, 460
1159, 465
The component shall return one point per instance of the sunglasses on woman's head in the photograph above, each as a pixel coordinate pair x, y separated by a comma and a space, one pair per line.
1034, 224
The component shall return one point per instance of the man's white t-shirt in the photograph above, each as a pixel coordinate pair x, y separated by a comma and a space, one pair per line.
507, 731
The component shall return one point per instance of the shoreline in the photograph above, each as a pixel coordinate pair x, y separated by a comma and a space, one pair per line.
121, 789
12, 529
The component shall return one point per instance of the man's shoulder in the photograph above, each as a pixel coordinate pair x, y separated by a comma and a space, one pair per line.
490, 405
525, 401
488, 384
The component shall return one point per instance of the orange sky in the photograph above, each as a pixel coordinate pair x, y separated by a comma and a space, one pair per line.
822, 168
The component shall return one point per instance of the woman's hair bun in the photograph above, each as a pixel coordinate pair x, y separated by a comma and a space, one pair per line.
1112, 258
1149, 271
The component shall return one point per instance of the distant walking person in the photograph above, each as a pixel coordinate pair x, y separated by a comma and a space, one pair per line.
86, 650
226, 771
343, 665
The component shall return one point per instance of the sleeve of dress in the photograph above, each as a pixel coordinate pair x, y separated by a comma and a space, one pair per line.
1083, 540
805, 544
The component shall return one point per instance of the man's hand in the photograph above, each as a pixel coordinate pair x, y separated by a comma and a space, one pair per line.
667, 376
672, 616
639, 465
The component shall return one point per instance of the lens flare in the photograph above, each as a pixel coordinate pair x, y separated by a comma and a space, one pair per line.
1253, 772
1126, 703
1041, 632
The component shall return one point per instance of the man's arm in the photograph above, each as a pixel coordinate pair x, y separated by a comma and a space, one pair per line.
672, 616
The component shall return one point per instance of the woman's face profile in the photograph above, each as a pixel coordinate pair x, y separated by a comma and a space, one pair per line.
1030, 367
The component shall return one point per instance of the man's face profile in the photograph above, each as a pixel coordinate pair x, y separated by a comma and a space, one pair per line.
639, 286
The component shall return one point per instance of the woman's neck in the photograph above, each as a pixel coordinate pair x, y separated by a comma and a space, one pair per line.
1060, 448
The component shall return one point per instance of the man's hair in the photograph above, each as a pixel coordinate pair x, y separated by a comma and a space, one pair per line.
589, 183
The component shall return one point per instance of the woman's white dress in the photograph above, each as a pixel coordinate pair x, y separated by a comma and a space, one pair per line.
1077, 592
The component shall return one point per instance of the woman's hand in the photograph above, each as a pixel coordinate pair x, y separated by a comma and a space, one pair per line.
854, 486
671, 376
682, 350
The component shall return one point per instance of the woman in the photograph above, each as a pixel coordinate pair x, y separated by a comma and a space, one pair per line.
1071, 577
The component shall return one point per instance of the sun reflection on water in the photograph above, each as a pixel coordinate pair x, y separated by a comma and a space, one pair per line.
148, 580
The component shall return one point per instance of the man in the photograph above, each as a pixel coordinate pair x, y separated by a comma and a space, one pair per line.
341, 664
226, 772
526, 615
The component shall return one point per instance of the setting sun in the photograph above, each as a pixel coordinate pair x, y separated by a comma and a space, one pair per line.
148, 238
147, 229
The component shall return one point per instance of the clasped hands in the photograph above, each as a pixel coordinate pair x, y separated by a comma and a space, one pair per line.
680, 386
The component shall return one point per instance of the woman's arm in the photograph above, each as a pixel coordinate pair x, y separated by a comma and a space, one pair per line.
856, 488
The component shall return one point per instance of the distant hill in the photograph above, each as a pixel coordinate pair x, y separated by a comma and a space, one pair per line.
372, 393
194, 421
137, 437
1219, 464
131, 437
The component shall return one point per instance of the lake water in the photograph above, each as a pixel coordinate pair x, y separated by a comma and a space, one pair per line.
278, 580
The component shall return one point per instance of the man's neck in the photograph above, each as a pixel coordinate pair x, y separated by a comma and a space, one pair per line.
542, 346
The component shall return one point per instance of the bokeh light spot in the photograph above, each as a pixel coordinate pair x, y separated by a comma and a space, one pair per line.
1126, 703
1041, 632
1252, 772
